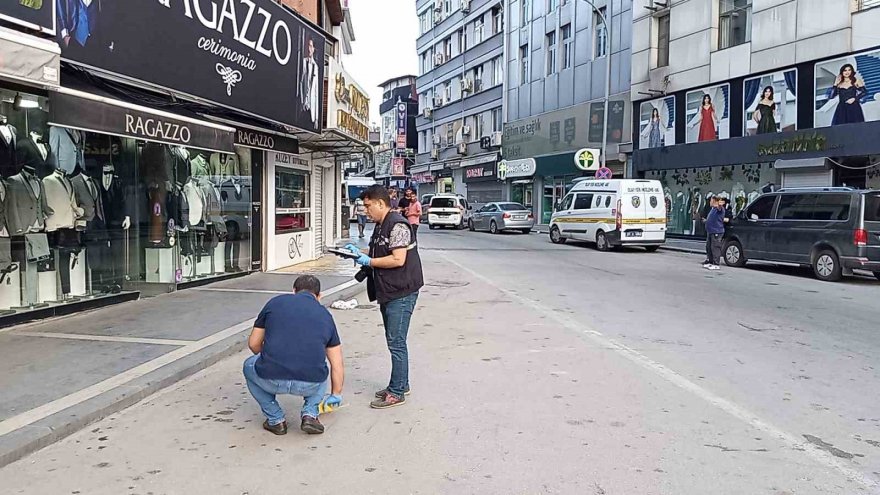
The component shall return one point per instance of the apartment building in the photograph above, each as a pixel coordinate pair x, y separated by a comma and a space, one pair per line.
557, 57
461, 74
740, 97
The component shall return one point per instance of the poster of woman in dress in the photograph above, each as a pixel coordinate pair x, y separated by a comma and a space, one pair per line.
708, 114
846, 90
657, 123
770, 103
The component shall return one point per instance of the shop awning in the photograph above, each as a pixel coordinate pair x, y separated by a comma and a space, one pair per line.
94, 113
333, 144
252, 133
420, 169
800, 163
29, 59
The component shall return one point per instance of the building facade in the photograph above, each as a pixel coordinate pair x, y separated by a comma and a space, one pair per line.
743, 97
460, 88
398, 137
557, 56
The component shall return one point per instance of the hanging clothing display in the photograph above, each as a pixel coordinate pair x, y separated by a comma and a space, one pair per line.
30, 153
67, 149
8, 142
62, 201
224, 166
25, 205
199, 166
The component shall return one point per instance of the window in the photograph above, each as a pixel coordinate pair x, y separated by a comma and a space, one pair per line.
583, 202
524, 64
663, 41
567, 47
735, 23
497, 120
525, 12
447, 92
832, 207
291, 200
478, 31
461, 41
762, 208
513, 207
551, 5
444, 203
867, 4
425, 21
447, 48
427, 63
872, 207
479, 125
566, 203
551, 53
450, 134
497, 20
498, 71
601, 30
607, 201
796, 206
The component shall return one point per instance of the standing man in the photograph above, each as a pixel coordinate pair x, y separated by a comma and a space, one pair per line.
292, 337
361, 211
394, 282
413, 211
715, 233
308, 88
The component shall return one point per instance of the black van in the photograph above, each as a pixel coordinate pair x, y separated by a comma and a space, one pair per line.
832, 229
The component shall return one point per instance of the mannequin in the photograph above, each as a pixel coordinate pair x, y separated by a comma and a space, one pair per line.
25, 206
8, 142
199, 165
224, 166
61, 224
94, 236
118, 221
158, 183
66, 148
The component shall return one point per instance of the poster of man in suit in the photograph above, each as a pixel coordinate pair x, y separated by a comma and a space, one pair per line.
310, 84
77, 20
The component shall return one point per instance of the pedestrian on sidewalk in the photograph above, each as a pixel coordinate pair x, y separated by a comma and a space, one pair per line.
361, 211
704, 215
715, 233
394, 279
292, 337
413, 212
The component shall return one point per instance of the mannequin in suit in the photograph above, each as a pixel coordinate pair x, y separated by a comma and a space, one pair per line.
66, 149
25, 206
34, 151
118, 221
224, 166
94, 237
61, 224
8, 141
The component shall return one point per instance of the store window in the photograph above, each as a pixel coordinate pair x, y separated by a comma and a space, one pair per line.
292, 206
663, 41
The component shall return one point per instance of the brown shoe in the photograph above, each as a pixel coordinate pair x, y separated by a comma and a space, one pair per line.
390, 400
382, 393
311, 425
279, 429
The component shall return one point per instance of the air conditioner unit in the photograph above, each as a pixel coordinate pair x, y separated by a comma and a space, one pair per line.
438, 101
467, 85
466, 130
437, 139
486, 142
462, 148
439, 58
435, 153
496, 139
429, 112
438, 5
438, 17
465, 6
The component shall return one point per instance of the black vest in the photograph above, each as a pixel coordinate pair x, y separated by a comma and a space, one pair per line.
393, 283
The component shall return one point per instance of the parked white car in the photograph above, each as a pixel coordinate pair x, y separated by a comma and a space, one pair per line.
449, 210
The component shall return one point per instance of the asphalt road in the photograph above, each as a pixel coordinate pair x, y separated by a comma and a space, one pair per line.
539, 369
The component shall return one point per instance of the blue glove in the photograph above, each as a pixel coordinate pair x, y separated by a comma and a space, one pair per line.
363, 260
354, 249
329, 404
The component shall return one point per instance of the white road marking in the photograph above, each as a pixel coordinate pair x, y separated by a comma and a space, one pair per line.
105, 338
38, 413
676, 379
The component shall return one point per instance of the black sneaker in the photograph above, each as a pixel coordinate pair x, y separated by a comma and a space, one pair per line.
311, 425
382, 393
279, 429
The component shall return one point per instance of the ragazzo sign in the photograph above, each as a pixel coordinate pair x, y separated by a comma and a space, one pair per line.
269, 142
249, 55
158, 129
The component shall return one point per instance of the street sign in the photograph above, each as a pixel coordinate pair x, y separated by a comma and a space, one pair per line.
604, 173
398, 167
587, 159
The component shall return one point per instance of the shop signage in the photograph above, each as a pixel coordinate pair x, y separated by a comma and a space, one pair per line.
398, 167
98, 115
509, 169
235, 53
34, 14
566, 130
423, 178
401, 125
288, 160
264, 141
349, 110
587, 159
480, 173
799, 144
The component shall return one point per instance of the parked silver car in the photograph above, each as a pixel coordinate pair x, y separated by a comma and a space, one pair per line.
498, 217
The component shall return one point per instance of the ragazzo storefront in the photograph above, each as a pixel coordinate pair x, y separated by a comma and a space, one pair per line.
110, 189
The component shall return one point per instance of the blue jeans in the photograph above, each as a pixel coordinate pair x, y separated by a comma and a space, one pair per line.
264, 391
396, 315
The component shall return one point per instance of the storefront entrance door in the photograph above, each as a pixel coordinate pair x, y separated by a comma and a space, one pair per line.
554, 191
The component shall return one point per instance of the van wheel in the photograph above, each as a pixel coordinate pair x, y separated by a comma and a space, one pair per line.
471, 226
602, 241
556, 236
493, 227
826, 266
733, 254
652, 249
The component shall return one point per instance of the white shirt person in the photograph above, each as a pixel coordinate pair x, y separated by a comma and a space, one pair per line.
309, 85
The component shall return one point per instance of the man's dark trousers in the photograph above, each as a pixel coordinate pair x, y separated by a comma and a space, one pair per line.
396, 315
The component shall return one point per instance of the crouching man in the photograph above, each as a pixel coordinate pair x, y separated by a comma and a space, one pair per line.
292, 336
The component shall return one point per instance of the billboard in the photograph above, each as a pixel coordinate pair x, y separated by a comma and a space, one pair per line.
846, 90
249, 55
657, 123
707, 112
38, 15
770, 103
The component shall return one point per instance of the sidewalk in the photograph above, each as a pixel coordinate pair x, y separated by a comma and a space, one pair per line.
59, 375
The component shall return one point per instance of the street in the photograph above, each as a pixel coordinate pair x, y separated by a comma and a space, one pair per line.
537, 368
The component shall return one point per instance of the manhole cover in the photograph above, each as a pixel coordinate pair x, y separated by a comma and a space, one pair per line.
447, 284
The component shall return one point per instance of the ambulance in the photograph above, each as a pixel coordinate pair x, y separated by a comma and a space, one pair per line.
611, 213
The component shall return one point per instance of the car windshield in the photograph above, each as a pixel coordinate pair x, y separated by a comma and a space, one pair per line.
511, 207
443, 203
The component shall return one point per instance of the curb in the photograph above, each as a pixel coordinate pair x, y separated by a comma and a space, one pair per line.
33, 437
681, 249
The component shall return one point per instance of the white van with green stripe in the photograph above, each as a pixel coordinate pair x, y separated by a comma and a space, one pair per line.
612, 213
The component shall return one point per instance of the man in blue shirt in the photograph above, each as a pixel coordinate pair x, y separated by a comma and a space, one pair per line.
715, 233
292, 337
